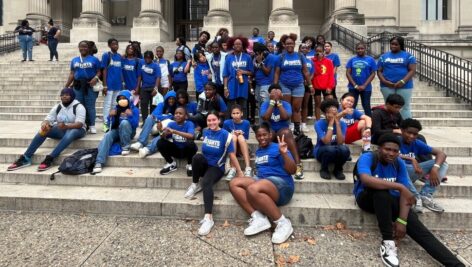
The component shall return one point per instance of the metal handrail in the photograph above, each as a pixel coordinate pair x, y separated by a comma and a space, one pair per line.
9, 43
451, 73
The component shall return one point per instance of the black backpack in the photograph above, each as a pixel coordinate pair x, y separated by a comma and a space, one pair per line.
304, 146
82, 161
375, 162
74, 109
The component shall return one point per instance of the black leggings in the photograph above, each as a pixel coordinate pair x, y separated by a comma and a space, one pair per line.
386, 208
169, 149
180, 86
146, 102
210, 176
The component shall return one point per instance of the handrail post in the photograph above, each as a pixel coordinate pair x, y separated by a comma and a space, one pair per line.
448, 85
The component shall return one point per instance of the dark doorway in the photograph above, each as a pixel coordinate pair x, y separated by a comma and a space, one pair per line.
189, 18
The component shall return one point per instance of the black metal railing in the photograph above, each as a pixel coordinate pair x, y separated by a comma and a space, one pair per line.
9, 43
451, 73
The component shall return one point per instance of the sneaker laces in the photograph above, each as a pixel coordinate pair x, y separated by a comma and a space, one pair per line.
22, 159
48, 160
391, 249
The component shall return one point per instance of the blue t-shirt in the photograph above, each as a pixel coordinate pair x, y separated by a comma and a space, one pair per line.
350, 119
291, 66
112, 62
275, 122
215, 65
336, 62
386, 172
186, 127
232, 64
191, 108
244, 126
414, 149
321, 127
84, 68
213, 147
261, 78
149, 73
274, 42
361, 69
395, 67
311, 54
257, 39
130, 72
177, 71
269, 162
309, 65
200, 75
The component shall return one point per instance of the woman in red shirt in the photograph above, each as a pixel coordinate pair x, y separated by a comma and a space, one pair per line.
323, 79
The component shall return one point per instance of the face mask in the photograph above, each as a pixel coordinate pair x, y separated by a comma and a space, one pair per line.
123, 103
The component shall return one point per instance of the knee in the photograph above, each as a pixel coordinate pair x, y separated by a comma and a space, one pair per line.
344, 150
125, 124
361, 125
198, 159
206, 182
285, 132
383, 196
253, 190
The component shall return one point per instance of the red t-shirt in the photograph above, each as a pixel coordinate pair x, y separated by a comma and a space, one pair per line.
323, 78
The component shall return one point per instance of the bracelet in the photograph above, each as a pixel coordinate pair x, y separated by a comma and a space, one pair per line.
330, 128
96, 77
402, 81
279, 104
272, 102
355, 87
401, 221
437, 165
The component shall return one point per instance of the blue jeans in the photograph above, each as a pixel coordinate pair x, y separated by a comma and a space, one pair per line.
108, 102
26, 44
337, 154
153, 145
147, 129
405, 93
88, 100
365, 99
426, 166
52, 45
66, 137
123, 134
293, 91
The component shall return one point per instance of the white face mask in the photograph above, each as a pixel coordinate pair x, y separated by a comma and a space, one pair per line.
123, 103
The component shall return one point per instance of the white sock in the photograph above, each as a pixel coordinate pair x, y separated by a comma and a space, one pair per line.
256, 213
208, 217
367, 146
281, 219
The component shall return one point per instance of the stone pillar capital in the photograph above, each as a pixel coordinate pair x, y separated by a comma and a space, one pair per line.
283, 18
150, 26
91, 25
39, 11
218, 17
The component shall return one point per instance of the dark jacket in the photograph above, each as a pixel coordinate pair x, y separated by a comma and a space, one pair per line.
384, 122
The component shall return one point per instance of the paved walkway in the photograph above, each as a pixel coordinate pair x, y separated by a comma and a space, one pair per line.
45, 239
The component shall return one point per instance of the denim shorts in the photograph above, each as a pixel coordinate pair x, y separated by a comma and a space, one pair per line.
285, 190
294, 91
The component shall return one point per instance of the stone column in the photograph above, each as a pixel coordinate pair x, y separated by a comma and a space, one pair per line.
346, 14
39, 13
91, 25
150, 26
465, 19
283, 18
218, 17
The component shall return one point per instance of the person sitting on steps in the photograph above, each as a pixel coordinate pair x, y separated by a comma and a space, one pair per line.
387, 118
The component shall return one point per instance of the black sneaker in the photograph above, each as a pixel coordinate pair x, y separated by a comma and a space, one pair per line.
325, 174
189, 170
388, 253
198, 135
296, 131
19, 163
46, 164
168, 168
339, 175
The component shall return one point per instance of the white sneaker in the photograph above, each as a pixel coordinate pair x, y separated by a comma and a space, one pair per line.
206, 225
93, 130
282, 232
304, 128
144, 152
388, 253
248, 172
125, 152
257, 224
231, 174
136, 146
418, 208
193, 189
168, 168
97, 168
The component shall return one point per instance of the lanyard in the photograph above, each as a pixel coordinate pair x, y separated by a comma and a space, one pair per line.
238, 62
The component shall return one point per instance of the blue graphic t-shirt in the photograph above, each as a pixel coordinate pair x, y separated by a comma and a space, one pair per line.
257, 39
234, 62
395, 67
261, 78
213, 147
275, 122
177, 71
309, 65
321, 127
84, 67
385, 172
269, 162
350, 119
414, 149
130, 70
361, 69
336, 62
244, 126
112, 62
186, 127
200, 74
149, 74
291, 66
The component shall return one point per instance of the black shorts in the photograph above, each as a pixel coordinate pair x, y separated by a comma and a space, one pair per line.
319, 92
307, 89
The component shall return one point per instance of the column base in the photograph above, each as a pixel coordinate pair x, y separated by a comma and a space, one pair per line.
284, 21
465, 32
217, 19
352, 20
91, 28
152, 28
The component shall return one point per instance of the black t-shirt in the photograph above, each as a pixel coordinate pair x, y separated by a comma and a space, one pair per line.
52, 32
24, 30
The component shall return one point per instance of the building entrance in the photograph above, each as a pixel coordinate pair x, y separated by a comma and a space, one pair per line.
188, 16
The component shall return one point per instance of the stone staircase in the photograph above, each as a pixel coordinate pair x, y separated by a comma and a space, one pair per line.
132, 186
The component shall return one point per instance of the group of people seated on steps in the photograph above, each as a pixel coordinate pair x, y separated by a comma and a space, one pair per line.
233, 76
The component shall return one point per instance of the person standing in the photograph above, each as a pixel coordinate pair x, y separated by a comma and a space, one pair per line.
217, 61
336, 62
25, 37
53, 40
149, 80
256, 38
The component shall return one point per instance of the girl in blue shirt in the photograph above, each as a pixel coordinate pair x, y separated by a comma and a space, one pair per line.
358, 125
304, 48
336, 62
164, 64
149, 80
178, 71
210, 165
260, 196
131, 65
396, 70
239, 129
360, 71
202, 73
183, 100
84, 74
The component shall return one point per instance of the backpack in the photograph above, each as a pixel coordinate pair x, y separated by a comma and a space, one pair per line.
74, 109
304, 146
375, 162
80, 162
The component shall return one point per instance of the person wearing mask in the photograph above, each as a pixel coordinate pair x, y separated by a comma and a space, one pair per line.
237, 70
383, 191
179, 70
25, 37
208, 167
149, 80
256, 38
181, 44
217, 61
123, 121
360, 71
65, 122
84, 74
164, 64
328, 48
112, 77
396, 70
53, 40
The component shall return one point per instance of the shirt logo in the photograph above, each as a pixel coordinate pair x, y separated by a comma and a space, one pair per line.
393, 179
394, 60
262, 160
115, 63
292, 62
83, 65
411, 155
212, 143
148, 70
241, 64
275, 118
323, 69
348, 121
129, 67
178, 138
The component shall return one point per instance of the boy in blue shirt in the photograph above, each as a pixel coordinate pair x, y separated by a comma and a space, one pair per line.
435, 169
149, 80
384, 192
112, 77
264, 69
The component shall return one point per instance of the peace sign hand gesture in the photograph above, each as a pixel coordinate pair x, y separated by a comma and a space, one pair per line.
282, 145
